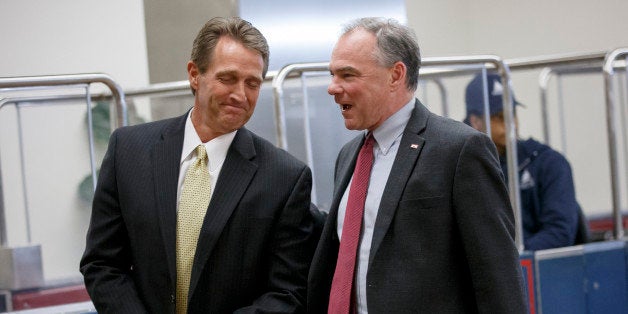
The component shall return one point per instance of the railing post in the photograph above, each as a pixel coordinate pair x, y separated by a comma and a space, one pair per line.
21, 266
618, 230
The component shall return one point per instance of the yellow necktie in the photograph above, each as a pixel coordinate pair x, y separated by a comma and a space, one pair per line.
192, 208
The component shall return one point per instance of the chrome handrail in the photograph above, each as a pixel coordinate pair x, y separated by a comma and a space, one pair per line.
550, 71
159, 88
555, 60
73, 79
3, 222
607, 64
609, 71
83, 80
443, 95
277, 85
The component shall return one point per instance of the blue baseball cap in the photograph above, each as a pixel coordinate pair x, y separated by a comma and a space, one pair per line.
474, 96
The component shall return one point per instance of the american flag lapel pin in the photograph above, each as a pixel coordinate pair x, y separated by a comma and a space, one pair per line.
414, 146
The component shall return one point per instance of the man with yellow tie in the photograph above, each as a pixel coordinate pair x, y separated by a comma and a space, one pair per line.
196, 214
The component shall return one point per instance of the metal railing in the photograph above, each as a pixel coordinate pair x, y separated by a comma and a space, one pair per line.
583, 63
564, 63
611, 125
558, 72
72, 80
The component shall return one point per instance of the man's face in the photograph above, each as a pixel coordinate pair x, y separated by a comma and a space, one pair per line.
359, 83
227, 92
498, 129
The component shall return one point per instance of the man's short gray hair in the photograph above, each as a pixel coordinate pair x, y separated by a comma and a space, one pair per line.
395, 42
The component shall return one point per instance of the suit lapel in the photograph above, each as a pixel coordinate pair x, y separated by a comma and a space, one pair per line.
409, 149
324, 262
166, 158
235, 176
344, 171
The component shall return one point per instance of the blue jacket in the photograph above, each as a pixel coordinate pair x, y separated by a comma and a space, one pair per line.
549, 207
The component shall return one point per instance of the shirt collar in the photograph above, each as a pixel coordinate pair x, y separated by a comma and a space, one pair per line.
393, 127
216, 148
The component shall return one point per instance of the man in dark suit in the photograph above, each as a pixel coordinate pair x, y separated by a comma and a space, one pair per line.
434, 226
158, 244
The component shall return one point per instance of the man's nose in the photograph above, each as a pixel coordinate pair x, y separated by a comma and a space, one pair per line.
334, 88
239, 92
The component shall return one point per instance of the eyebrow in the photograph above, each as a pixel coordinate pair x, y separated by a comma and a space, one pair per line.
226, 72
347, 68
235, 73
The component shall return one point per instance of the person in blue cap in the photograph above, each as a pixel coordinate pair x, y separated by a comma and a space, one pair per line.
551, 216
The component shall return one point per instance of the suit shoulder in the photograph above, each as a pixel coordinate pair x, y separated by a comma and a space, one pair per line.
149, 127
452, 129
268, 151
143, 134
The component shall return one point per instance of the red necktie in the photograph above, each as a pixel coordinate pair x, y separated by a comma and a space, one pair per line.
340, 297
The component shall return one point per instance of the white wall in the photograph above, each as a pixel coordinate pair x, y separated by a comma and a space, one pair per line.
66, 36
517, 29
60, 37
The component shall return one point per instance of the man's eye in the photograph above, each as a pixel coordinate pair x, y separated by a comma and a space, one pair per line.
226, 79
254, 84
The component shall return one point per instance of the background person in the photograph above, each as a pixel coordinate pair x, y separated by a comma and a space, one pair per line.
156, 241
549, 210
420, 220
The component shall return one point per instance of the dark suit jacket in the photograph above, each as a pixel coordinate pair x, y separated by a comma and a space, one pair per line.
254, 247
444, 234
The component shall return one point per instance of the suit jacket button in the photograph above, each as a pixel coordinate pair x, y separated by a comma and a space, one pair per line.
172, 299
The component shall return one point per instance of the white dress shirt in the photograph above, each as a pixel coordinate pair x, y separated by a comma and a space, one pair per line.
387, 136
216, 153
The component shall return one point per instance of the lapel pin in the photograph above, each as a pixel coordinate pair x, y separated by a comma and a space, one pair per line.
414, 146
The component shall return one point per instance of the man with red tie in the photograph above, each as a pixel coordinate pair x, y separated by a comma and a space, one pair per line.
420, 220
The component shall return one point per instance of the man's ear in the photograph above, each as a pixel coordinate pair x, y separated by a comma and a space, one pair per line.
398, 74
193, 74
476, 122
